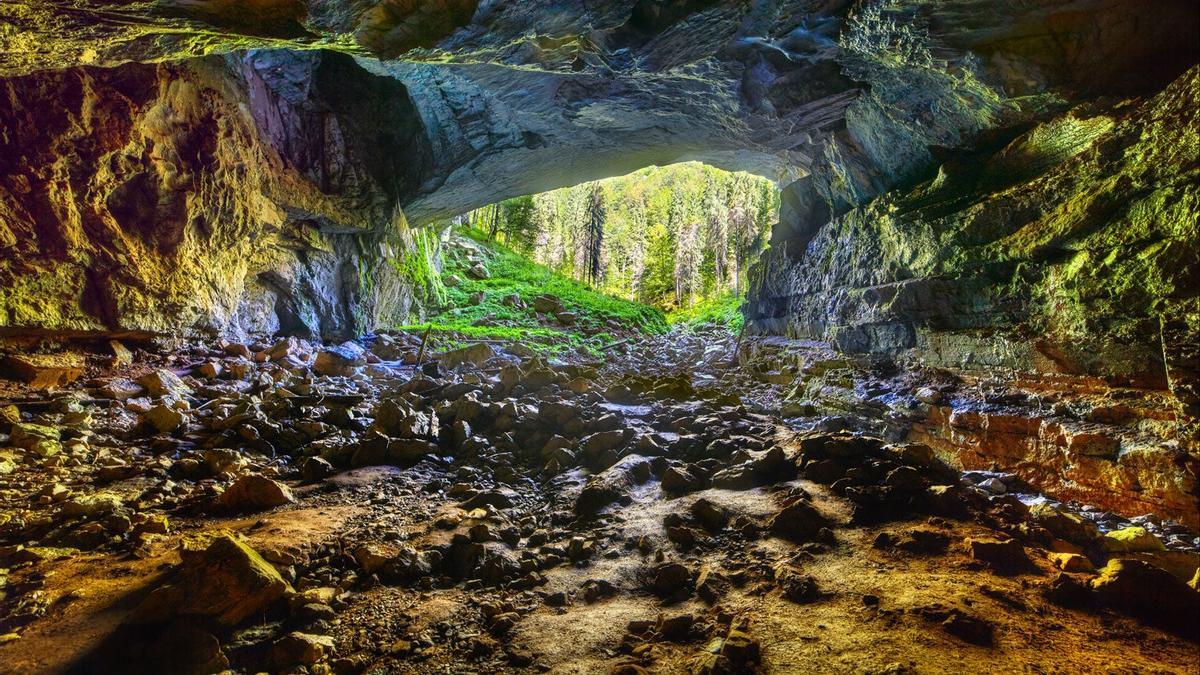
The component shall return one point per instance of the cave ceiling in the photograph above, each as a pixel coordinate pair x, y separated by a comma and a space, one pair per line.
518, 97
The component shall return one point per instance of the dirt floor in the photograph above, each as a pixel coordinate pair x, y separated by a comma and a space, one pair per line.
506, 514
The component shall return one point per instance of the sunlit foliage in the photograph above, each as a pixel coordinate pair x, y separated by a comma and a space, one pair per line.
670, 237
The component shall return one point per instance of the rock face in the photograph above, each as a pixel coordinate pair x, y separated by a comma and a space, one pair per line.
214, 194
1069, 248
267, 189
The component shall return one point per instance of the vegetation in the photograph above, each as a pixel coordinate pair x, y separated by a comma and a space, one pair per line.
672, 237
485, 308
418, 265
722, 310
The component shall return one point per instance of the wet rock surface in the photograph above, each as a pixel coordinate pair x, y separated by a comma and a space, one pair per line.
411, 518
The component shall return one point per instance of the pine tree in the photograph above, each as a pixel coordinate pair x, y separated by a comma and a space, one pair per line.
595, 234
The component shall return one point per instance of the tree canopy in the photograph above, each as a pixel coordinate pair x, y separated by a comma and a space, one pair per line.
670, 236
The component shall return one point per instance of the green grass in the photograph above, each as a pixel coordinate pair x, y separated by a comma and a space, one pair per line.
512, 274
722, 310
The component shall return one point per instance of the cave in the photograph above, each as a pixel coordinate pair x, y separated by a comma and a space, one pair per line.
626, 336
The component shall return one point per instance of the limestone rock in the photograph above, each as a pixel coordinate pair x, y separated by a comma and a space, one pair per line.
395, 418
44, 371
340, 360
163, 382
478, 271
121, 354
300, 649
1071, 562
253, 492
225, 582
1064, 524
678, 480
316, 468
798, 522
547, 304
91, 505
1149, 593
164, 419
612, 484
41, 440
1001, 554
1131, 540
670, 580
476, 355
796, 586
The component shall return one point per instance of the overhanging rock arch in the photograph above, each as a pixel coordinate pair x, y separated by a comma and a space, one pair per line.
296, 163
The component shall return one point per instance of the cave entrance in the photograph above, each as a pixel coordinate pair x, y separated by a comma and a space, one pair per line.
679, 238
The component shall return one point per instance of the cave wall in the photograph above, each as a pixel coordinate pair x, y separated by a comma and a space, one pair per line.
254, 192
1071, 247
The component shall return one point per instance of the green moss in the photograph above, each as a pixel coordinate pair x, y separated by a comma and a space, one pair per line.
722, 310
418, 265
456, 318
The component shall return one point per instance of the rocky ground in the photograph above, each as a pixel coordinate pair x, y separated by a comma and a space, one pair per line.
680, 506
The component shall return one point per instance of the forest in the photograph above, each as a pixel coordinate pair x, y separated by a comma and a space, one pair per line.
671, 237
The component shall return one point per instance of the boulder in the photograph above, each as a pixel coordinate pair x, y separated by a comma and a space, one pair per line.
1131, 540
397, 419
163, 382
388, 348
796, 586
741, 649
970, 628
237, 349
594, 445
225, 582
710, 515
41, 440
44, 371
121, 354
253, 492
315, 468
1071, 562
711, 585
91, 505
671, 579
372, 557
341, 360
612, 484
409, 450
9, 415
1149, 593
478, 271
476, 355
210, 370
797, 522
678, 480
547, 304
1000, 554
300, 649
285, 348
1064, 524
164, 419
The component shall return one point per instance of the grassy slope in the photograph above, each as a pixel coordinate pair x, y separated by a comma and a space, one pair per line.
513, 274
722, 310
